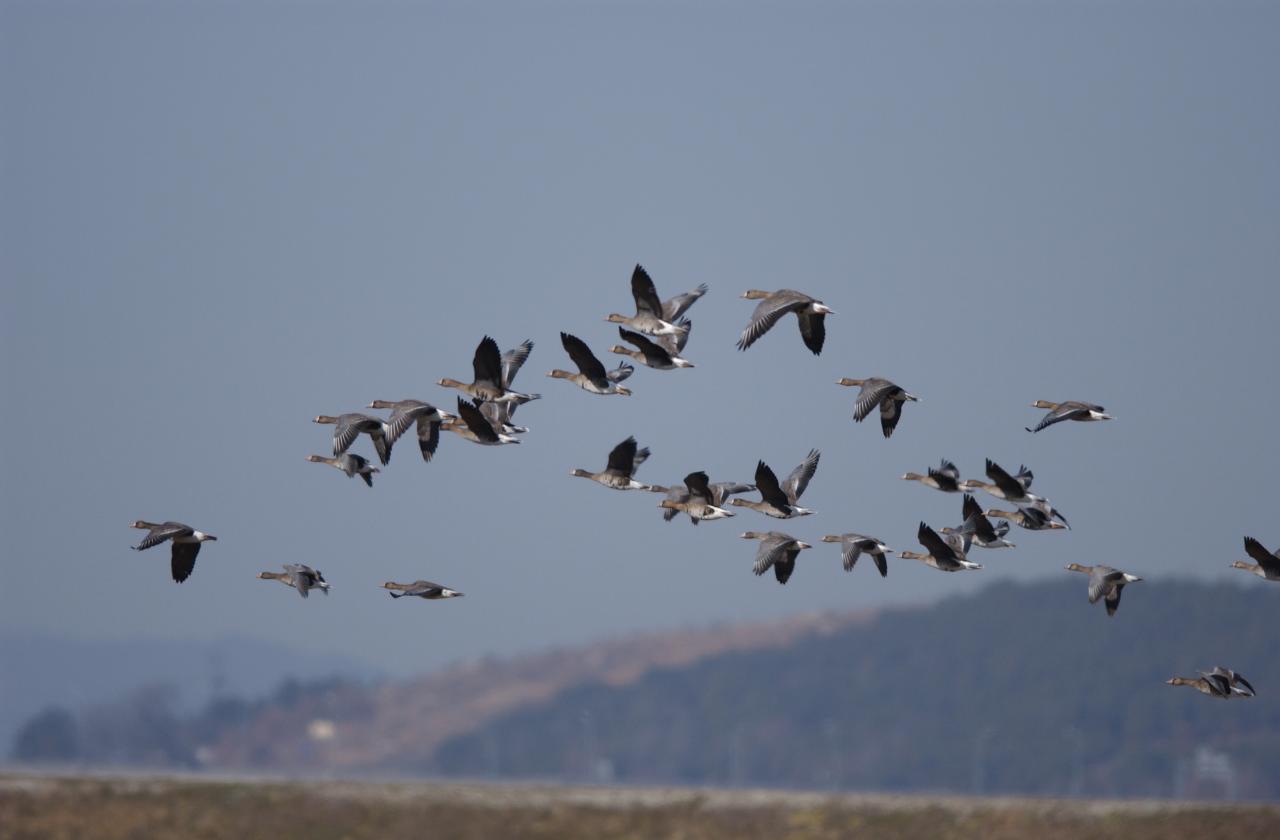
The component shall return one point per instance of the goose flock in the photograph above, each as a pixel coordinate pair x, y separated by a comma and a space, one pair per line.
659, 333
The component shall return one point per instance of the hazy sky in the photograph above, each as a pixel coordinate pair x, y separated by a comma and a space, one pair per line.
220, 220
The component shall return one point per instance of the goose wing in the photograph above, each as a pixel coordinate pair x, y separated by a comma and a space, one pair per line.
476, 422
428, 436
1012, 487
799, 478
162, 532
513, 360
890, 413
588, 365
936, 546
487, 364
722, 490
699, 486
770, 491
767, 313
620, 373
183, 560
873, 391
678, 305
813, 329
655, 353
622, 458
645, 294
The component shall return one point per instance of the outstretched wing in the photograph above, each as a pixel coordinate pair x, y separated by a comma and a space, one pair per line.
487, 364
799, 478
513, 359
622, 458
645, 294
770, 491
588, 365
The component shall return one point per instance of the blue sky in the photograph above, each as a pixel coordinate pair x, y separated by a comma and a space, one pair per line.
220, 220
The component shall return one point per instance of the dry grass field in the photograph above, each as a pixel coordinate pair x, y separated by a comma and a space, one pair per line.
166, 808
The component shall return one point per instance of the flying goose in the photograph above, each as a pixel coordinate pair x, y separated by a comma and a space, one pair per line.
945, 478
406, 413
1032, 519
1105, 583
655, 354
720, 492
652, 315
780, 501
1012, 488
421, 589
1221, 682
778, 550
944, 555
300, 576
811, 313
1069, 410
472, 424
854, 545
350, 463
347, 427
1268, 565
699, 501
876, 391
623, 461
487, 369
978, 529
591, 375
186, 544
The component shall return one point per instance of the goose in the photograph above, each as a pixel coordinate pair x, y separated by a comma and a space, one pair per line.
421, 589
1013, 489
657, 355
811, 313
475, 427
944, 555
1105, 583
348, 427
1069, 410
780, 501
1268, 565
876, 391
405, 413
854, 545
300, 576
945, 478
1030, 518
186, 544
624, 459
720, 492
1205, 684
487, 369
591, 375
778, 550
978, 529
652, 315
350, 463
699, 500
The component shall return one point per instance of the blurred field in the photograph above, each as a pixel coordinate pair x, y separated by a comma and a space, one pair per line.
156, 808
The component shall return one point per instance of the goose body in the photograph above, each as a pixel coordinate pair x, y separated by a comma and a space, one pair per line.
777, 551
421, 589
853, 546
1069, 410
349, 463
473, 425
879, 392
653, 317
698, 501
624, 459
591, 376
348, 427
781, 500
945, 478
300, 576
185, 540
1268, 565
944, 555
1105, 583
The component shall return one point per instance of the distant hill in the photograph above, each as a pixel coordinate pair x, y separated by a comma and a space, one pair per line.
37, 671
1021, 689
